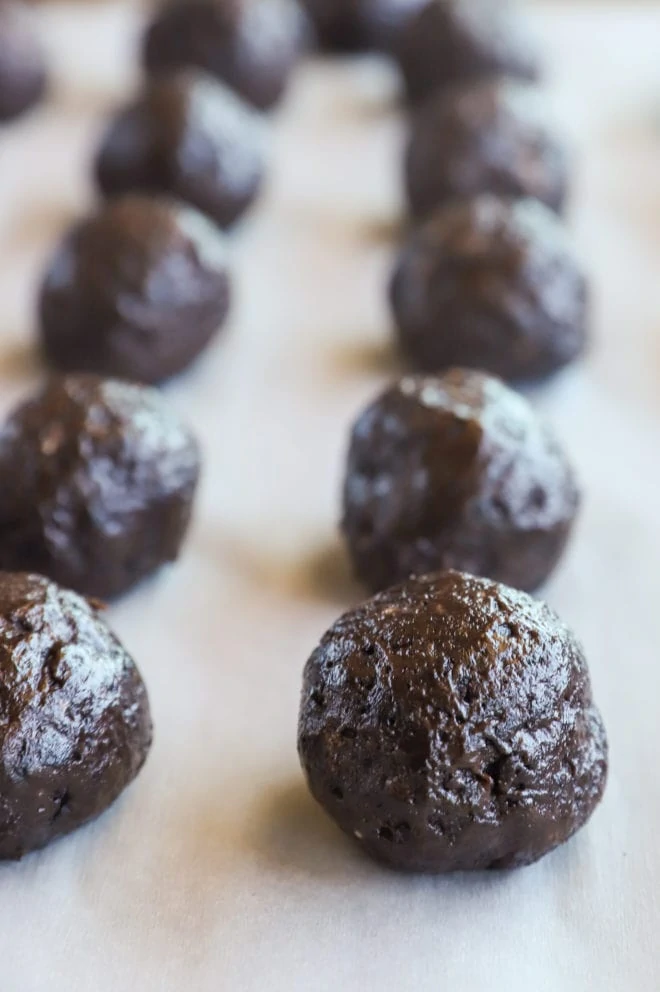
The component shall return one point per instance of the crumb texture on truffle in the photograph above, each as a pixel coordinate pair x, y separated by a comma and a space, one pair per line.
448, 724
456, 471
492, 284
75, 727
188, 136
100, 477
484, 137
137, 291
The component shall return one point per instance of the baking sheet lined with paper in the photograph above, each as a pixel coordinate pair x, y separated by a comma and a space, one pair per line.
216, 870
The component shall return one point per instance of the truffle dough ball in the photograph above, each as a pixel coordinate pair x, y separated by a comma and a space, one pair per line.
488, 137
251, 45
76, 727
22, 65
490, 284
456, 472
137, 290
99, 478
189, 136
448, 724
449, 41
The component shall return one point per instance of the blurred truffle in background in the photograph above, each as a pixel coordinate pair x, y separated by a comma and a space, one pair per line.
484, 137
490, 283
449, 41
250, 45
136, 291
188, 136
22, 61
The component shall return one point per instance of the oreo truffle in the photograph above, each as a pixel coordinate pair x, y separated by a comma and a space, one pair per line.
99, 479
448, 725
251, 45
190, 137
492, 284
137, 291
490, 137
452, 41
76, 727
22, 62
456, 471
356, 25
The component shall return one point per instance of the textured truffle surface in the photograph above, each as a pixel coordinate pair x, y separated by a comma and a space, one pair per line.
137, 290
448, 724
22, 62
251, 45
456, 471
75, 727
490, 284
188, 136
488, 137
99, 478
450, 41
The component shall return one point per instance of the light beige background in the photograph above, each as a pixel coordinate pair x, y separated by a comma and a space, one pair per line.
216, 871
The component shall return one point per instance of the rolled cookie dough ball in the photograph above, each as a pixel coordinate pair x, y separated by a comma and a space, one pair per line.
448, 725
76, 726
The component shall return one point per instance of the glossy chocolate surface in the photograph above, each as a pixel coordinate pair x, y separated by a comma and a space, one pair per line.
75, 727
448, 724
456, 471
490, 284
99, 479
251, 45
137, 290
187, 136
490, 137
452, 41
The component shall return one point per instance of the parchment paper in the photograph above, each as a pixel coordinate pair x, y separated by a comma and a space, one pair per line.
216, 871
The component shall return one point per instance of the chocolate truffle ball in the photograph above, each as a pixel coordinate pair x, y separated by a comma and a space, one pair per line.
22, 65
354, 25
76, 727
251, 45
488, 137
137, 291
490, 284
449, 41
448, 725
458, 472
189, 136
99, 479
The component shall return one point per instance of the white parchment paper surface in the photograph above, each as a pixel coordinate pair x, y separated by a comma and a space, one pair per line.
216, 871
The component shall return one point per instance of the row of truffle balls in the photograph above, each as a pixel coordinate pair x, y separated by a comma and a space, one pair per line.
448, 722
100, 474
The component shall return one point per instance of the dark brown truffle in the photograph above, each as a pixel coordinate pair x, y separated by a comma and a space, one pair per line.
98, 482
251, 45
450, 41
137, 291
490, 137
22, 63
355, 25
490, 284
189, 136
76, 727
456, 472
448, 724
